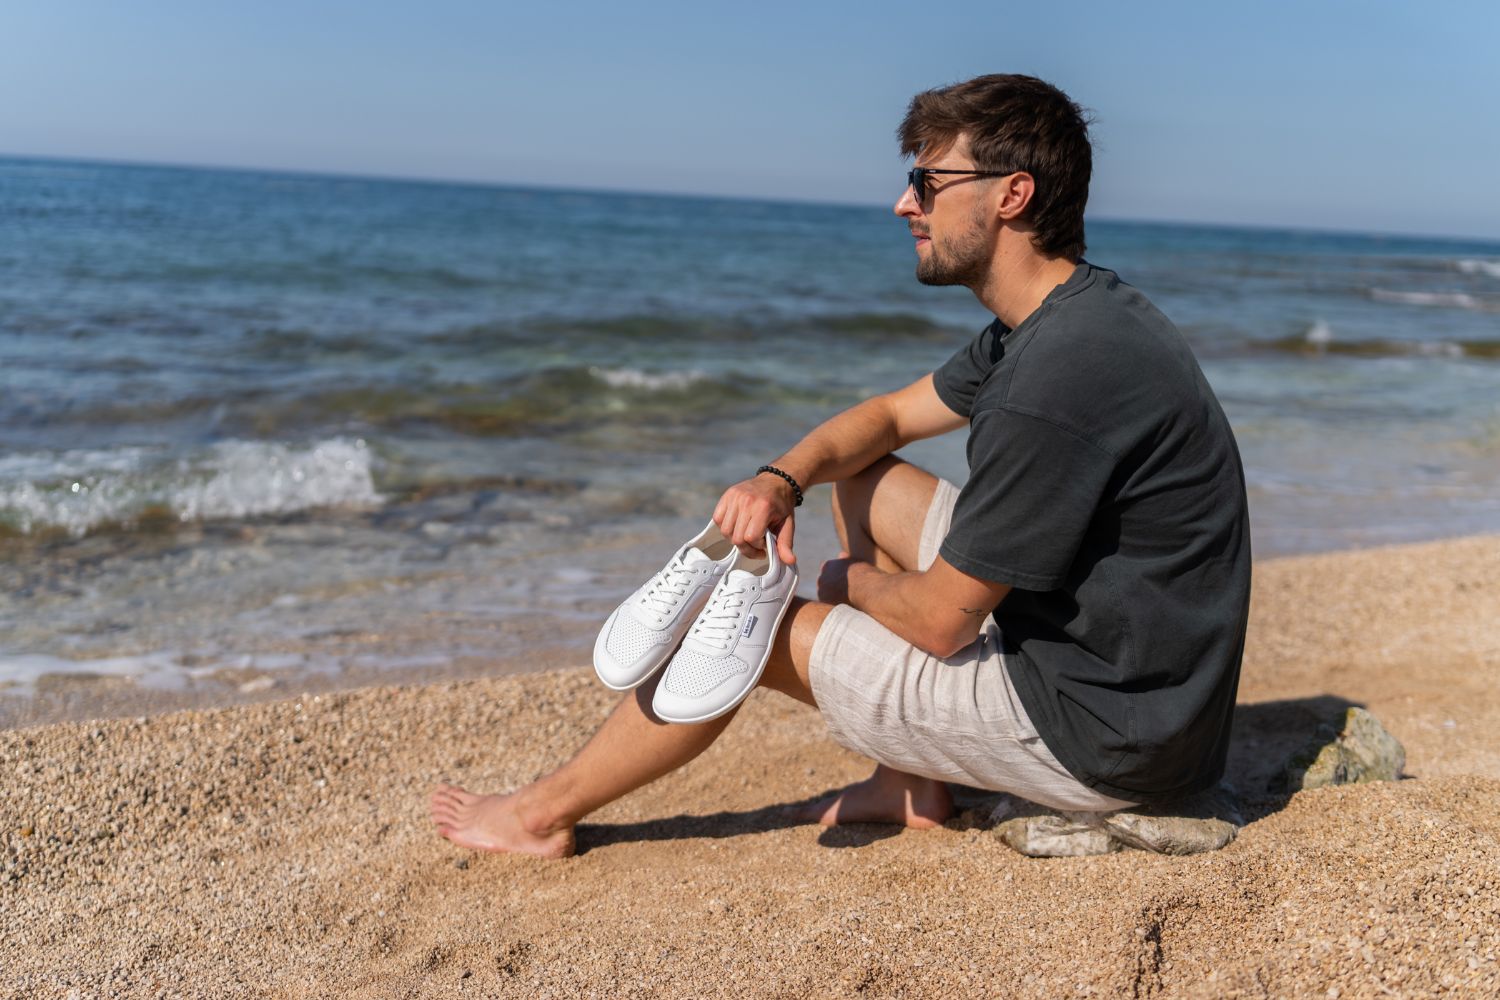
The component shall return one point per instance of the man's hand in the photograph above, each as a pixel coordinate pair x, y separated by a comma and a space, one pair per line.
749, 509
833, 581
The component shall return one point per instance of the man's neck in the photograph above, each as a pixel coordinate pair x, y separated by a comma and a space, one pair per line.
1019, 282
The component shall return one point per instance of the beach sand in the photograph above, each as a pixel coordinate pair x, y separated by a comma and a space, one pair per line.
283, 849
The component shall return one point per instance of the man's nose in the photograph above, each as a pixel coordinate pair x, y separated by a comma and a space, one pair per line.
907, 203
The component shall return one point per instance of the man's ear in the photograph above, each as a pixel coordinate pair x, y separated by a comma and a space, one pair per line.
1014, 195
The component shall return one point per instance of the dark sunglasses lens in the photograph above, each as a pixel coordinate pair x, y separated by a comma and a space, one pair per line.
917, 178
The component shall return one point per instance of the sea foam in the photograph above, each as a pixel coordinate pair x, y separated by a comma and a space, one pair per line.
1452, 300
1320, 334
634, 378
1489, 268
76, 491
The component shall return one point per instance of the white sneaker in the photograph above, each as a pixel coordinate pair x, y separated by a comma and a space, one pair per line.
644, 630
722, 658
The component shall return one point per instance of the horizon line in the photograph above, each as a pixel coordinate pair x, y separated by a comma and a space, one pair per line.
312, 173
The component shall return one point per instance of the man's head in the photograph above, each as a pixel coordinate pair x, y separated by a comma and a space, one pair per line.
1013, 132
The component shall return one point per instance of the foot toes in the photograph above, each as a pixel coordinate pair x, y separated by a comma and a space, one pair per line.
447, 797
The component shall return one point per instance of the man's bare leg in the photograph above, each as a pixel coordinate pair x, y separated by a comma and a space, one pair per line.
631, 749
879, 515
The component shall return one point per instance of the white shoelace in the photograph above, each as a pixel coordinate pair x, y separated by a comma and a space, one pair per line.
720, 620
668, 590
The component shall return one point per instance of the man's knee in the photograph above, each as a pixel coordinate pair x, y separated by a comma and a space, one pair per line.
789, 668
855, 491
852, 497
879, 512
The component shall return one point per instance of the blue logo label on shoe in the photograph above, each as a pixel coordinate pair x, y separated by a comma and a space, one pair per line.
749, 626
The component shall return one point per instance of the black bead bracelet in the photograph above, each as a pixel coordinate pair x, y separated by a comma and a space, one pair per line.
796, 490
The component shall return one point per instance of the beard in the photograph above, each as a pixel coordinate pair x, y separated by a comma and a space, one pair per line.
962, 260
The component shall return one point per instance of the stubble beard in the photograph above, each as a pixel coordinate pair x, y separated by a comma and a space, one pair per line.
963, 261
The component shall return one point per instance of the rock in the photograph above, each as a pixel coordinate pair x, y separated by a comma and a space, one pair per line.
1038, 832
1203, 822
1359, 750
1049, 835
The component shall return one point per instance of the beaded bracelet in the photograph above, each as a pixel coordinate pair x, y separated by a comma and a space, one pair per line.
796, 490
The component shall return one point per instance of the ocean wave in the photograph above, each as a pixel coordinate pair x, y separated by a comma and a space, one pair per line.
1474, 265
1319, 339
538, 401
21, 674
274, 344
77, 492
543, 402
1448, 300
672, 326
634, 378
905, 326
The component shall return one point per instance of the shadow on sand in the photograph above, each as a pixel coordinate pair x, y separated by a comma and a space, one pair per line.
1265, 736
730, 824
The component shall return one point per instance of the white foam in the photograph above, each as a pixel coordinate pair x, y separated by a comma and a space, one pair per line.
78, 490
1490, 268
251, 478
634, 378
158, 670
172, 671
1320, 334
1440, 349
1454, 300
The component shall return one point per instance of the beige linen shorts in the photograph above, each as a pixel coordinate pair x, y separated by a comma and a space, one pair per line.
957, 719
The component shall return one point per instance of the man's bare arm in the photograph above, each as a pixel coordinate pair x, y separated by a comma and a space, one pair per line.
836, 449
940, 610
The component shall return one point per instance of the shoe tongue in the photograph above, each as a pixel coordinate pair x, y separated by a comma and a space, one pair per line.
740, 577
695, 557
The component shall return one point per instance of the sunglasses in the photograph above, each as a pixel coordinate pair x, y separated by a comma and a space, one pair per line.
916, 178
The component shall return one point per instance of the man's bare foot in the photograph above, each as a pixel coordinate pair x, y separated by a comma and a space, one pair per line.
887, 796
492, 823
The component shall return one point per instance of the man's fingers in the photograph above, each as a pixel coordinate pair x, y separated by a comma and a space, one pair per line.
784, 540
750, 541
743, 517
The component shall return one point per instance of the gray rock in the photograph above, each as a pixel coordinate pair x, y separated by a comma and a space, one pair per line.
1359, 750
1049, 835
1203, 822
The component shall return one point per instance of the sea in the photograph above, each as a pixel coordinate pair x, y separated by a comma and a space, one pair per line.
264, 431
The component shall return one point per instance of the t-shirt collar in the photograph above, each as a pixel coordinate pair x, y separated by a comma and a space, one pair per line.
1076, 282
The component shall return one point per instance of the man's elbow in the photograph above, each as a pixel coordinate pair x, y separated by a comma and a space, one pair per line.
945, 641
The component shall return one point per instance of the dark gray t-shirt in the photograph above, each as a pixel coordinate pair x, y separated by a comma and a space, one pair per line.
1105, 487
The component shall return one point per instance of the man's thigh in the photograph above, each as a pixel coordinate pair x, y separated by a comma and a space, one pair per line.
886, 505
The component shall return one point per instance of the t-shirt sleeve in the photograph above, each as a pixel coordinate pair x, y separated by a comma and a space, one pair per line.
1034, 487
960, 376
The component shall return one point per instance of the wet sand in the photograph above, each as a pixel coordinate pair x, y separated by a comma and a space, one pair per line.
283, 849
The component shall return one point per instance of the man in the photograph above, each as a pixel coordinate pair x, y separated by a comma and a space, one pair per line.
1068, 626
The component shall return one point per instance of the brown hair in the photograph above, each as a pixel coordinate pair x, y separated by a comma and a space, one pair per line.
1017, 123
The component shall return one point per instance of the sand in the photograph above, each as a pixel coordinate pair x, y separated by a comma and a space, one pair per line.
283, 849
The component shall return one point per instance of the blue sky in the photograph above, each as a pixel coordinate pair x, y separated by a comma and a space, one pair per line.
1375, 116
